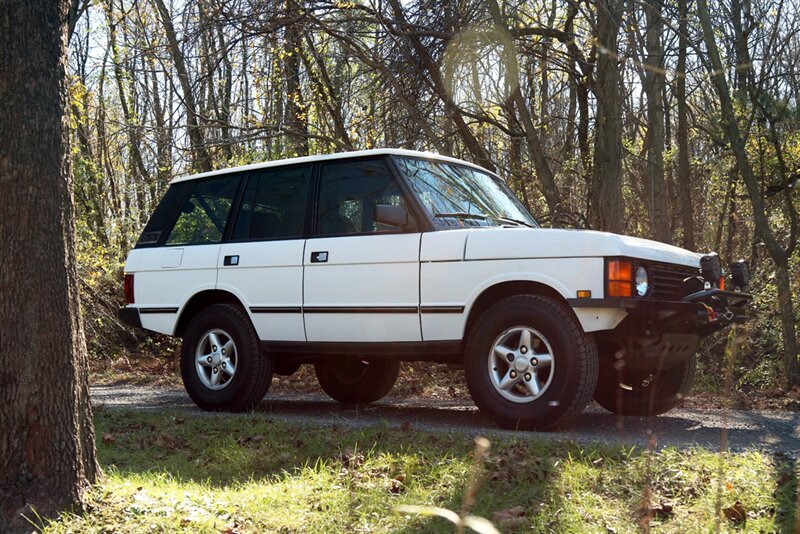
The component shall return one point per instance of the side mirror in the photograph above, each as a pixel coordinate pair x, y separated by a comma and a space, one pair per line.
389, 215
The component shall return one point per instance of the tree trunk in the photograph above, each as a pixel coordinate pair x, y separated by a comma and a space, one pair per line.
684, 172
654, 88
472, 144
296, 109
606, 208
200, 157
47, 456
535, 148
777, 253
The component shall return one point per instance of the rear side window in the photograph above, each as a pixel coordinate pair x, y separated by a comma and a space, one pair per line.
349, 193
163, 215
205, 211
274, 205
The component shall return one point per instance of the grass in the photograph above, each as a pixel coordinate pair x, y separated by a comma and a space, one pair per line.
166, 472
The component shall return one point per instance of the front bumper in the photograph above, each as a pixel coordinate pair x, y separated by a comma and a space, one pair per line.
703, 312
130, 316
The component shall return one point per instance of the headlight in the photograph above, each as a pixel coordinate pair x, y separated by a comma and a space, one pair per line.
642, 282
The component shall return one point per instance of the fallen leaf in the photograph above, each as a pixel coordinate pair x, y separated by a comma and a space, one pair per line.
510, 518
250, 439
736, 514
397, 487
108, 438
165, 441
352, 460
662, 512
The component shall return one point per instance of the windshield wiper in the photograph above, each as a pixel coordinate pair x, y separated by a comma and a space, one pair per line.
463, 215
514, 221
482, 217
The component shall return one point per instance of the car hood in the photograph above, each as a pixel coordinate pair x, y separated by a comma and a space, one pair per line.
512, 243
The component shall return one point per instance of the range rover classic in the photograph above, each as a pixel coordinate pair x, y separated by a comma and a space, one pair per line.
357, 261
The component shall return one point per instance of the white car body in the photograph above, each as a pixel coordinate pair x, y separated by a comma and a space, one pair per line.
323, 270
428, 271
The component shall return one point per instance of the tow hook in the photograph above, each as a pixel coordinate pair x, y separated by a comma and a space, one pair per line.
728, 315
711, 313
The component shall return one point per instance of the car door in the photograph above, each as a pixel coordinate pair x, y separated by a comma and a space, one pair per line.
262, 263
186, 263
361, 281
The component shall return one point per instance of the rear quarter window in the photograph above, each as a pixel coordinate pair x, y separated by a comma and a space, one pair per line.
160, 221
204, 214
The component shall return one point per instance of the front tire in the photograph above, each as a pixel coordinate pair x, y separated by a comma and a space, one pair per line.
353, 380
529, 365
221, 365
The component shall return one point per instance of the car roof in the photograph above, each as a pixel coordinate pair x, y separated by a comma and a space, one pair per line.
330, 157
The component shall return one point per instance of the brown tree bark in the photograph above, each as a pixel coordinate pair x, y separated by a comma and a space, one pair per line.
654, 88
472, 144
200, 157
47, 456
296, 119
684, 172
605, 204
535, 148
779, 256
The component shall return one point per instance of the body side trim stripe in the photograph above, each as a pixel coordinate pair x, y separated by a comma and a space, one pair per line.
442, 309
276, 309
158, 310
360, 309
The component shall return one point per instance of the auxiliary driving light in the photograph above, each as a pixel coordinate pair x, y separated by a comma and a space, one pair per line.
711, 268
740, 274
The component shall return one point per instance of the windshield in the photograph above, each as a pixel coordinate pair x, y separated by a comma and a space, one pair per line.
459, 196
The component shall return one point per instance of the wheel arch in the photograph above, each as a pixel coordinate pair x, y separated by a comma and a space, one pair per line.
509, 288
202, 300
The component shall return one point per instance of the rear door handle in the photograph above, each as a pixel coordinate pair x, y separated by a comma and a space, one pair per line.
231, 261
319, 257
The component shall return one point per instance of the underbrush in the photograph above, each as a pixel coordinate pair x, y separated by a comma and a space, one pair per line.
181, 473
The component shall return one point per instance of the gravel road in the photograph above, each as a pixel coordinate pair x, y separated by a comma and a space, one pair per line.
766, 431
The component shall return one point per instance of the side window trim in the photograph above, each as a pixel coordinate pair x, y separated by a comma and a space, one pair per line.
244, 177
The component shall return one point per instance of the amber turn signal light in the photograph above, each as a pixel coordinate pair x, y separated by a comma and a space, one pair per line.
620, 278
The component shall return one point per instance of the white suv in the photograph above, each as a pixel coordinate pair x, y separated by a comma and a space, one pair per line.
356, 261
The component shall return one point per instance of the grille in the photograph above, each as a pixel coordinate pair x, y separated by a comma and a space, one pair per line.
666, 279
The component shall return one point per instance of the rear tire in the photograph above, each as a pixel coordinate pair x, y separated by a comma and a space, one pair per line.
643, 392
221, 365
353, 380
529, 365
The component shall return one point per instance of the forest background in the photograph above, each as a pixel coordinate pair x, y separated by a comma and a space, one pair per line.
672, 120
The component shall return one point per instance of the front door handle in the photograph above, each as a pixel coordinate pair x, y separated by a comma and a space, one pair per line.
230, 261
319, 257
